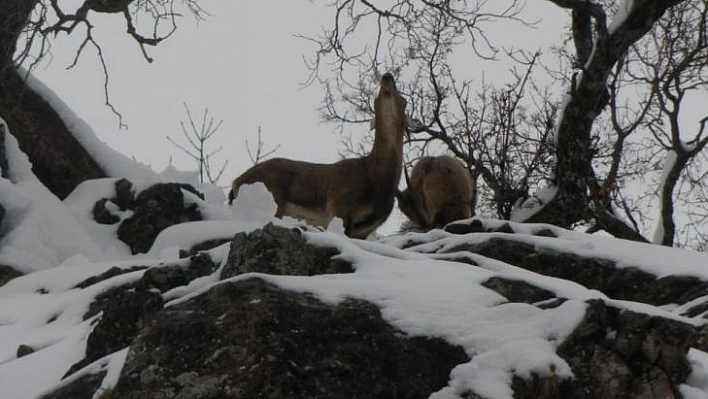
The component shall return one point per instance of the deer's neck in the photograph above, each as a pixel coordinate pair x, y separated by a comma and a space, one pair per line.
386, 156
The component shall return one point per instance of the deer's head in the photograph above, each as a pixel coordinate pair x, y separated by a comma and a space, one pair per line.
389, 108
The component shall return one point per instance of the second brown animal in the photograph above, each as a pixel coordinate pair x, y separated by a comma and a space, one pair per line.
439, 191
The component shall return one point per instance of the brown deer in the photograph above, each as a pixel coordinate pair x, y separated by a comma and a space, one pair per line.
439, 192
360, 191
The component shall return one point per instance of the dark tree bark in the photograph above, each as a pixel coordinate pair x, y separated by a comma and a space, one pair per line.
607, 221
588, 97
26, 29
14, 15
58, 160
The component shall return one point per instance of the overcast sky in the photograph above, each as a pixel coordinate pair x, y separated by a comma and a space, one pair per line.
244, 63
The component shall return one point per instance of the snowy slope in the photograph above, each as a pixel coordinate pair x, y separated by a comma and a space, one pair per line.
420, 292
417, 291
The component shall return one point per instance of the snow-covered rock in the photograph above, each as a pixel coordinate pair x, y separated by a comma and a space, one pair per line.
434, 315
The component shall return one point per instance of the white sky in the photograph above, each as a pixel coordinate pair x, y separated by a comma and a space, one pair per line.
243, 63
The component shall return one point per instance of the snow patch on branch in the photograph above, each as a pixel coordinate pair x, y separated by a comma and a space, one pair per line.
669, 162
524, 209
621, 15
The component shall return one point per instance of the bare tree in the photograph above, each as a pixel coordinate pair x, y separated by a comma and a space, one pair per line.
260, 153
197, 137
522, 135
33, 24
448, 111
29, 27
676, 68
648, 88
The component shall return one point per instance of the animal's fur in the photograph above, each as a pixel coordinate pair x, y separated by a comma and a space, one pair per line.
360, 191
439, 192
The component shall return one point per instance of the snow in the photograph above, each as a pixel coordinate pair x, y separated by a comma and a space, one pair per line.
669, 163
42, 310
623, 10
254, 203
422, 296
418, 288
533, 204
33, 216
112, 162
697, 383
658, 260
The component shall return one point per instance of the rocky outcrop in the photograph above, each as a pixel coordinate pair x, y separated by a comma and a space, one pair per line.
82, 388
518, 291
249, 338
125, 309
626, 282
613, 353
618, 355
153, 210
277, 250
165, 278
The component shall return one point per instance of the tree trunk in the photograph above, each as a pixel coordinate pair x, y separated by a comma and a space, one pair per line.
588, 97
14, 15
666, 197
57, 158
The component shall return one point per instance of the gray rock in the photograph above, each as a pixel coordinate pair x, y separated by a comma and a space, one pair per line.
124, 311
627, 283
125, 195
82, 388
112, 272
250, 339
622, 354
203, 246
518, 291
474, 226
155, 209
164, 278
125, 308
8, 273
101, 213
124, 199
24, 350
280, 251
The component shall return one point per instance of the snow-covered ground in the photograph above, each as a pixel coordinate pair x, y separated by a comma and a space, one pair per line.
418, 292
58, 245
